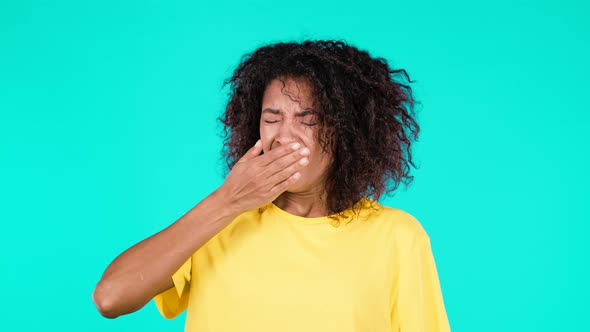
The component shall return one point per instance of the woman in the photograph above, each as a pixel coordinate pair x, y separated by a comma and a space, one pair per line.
291, 240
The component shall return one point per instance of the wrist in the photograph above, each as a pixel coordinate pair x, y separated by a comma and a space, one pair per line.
227, 205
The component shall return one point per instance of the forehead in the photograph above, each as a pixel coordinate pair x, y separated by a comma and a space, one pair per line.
288, 94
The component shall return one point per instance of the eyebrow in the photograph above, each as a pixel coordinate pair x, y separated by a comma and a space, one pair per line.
298, 114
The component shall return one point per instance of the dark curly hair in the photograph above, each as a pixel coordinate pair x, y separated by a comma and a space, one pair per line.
366, 116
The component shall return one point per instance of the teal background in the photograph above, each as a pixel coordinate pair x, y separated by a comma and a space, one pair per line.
108, 134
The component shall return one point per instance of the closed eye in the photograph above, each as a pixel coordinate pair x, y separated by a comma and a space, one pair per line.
305, 123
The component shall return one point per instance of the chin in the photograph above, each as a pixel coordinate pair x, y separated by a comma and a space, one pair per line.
296, 187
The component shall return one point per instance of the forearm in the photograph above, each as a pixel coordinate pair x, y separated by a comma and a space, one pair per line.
139, 273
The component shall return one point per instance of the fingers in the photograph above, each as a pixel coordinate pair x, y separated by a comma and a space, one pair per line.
290, 162
284, 173
279, 152
253, 152
280, 187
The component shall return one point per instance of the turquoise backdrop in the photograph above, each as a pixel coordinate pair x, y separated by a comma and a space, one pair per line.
108, 134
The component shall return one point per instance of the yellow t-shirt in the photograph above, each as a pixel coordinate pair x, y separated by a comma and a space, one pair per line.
269, 270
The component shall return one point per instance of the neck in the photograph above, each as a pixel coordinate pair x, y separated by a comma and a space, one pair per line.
303, 204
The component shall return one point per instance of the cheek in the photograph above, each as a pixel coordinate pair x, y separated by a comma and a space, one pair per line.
268, 130
321, 160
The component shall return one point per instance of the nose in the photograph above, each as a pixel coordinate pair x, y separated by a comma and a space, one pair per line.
286, 134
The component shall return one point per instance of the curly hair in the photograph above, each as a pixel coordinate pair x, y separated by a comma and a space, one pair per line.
366, 116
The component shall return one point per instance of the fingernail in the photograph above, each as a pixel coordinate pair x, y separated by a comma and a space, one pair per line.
257, 143
295, 146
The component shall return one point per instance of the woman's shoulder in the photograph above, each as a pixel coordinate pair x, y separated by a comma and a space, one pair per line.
403, 225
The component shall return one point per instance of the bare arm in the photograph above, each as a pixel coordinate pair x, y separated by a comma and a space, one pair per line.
145, 270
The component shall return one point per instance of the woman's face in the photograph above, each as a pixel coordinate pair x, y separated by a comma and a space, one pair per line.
284, 121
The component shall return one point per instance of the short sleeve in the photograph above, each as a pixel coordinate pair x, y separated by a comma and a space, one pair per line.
173, 301
418, 304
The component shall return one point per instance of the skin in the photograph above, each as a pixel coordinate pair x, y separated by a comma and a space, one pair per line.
283, 122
